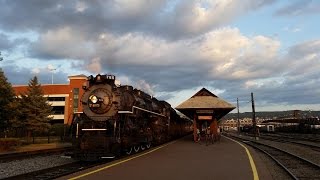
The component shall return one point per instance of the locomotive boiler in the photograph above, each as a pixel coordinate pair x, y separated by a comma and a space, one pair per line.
121, 119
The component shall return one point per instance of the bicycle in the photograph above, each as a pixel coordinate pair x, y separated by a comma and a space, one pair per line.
209, 137
198, 138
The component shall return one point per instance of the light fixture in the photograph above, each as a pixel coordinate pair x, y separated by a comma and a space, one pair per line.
93, 99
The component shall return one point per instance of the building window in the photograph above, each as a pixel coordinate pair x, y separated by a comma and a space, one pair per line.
75, 99
76, 91
57, 110
56, 98
75, 103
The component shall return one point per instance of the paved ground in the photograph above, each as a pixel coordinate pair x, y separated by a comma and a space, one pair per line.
183, 159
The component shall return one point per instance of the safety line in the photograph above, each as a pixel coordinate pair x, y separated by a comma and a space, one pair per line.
120, 162
252, 164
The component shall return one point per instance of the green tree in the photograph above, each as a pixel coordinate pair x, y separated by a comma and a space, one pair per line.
34, 108
1, 58
7, 103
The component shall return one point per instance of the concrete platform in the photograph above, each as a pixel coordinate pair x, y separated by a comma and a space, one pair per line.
183, 159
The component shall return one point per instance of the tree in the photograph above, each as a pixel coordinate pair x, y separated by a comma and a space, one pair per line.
1, 58
7, 103
34, 108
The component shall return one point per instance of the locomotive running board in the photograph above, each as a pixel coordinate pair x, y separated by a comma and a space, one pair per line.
125, 112
93, 129
135, 107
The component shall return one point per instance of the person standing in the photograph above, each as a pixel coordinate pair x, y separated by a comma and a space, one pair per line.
198, 135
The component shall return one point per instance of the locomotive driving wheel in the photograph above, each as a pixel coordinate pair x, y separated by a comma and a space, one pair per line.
129, 151
148, 145
136, 148
142, 147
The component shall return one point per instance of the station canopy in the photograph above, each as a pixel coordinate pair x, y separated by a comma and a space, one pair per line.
205, 101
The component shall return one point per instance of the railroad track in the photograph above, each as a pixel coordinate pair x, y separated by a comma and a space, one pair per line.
55, 172
312, 146
30, 154
294, 137
296, 166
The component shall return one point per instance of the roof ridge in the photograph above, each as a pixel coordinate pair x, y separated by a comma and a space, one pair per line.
204, 92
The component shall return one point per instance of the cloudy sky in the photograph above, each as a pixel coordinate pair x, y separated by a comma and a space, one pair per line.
171, 48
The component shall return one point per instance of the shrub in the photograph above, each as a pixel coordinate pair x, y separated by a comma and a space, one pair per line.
57, 129
7, 144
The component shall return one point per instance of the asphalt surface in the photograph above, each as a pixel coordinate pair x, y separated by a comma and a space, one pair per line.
182, 159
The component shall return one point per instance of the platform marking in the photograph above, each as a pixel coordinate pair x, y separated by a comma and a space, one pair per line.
120, 162
253, 166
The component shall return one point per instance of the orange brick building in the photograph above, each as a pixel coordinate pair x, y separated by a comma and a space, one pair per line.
64, 98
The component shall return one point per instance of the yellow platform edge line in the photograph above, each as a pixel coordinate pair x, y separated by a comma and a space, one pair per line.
120, 162
252, 164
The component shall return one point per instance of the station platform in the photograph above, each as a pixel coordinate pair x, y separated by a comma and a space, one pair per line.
184, 159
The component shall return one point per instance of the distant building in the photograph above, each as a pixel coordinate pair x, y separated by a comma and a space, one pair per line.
232, 124
64, 98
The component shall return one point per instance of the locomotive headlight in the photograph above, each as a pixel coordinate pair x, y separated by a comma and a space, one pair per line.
93, 99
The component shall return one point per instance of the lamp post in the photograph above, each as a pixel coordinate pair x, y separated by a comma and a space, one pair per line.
51, 69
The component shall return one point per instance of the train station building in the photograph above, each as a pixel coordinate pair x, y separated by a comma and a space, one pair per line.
206, 109
64, 98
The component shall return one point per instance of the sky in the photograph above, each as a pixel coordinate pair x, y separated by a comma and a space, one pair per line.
171, 48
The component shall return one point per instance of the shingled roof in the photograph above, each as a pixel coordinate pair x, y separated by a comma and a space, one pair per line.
203, 100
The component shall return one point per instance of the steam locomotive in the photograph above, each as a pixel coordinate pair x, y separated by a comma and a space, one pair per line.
121, 120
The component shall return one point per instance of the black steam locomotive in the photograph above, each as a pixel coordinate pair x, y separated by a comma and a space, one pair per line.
120, 119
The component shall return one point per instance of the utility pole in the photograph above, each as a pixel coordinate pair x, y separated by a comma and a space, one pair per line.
238, 116
254, 117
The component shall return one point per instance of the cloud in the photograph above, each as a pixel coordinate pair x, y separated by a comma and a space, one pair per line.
144, 86
9, 44
94, 66
5, 43
223, 53
35, 71
292, 29
61, 43
168, 48
20, 75
191, 18
298, 82
166, 18
298, 8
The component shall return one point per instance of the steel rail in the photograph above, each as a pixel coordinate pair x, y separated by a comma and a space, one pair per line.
296, 165
302, 137
300, 169
271, 138
55, 172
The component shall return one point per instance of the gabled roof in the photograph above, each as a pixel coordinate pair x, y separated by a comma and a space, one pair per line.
204, 99
204, 92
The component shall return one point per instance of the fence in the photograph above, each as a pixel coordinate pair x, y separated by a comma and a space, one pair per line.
57, 133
